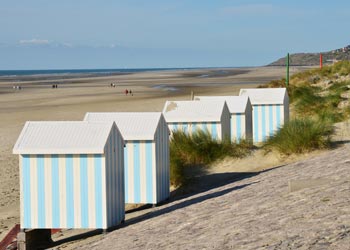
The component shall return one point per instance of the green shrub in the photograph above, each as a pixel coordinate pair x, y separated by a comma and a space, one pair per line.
300, 136
199, 149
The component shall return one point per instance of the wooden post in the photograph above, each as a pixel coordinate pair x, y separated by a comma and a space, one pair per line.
321, 61
192, 95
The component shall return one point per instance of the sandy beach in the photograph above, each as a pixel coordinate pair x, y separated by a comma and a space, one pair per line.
75, 96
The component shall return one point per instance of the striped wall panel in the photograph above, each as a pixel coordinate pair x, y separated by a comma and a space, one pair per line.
163, 162
115, 192
73, 191
62, 191
212, 127
140, 172
238, 127
266, 120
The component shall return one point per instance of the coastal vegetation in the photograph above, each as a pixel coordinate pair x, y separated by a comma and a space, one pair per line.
319, 98
200, 149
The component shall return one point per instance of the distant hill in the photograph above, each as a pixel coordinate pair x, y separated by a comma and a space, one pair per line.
312, 59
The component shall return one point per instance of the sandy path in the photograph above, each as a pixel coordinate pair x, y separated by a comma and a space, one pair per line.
256, 212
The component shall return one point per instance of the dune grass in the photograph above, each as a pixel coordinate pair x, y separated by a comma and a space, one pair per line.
300, 136
199, 149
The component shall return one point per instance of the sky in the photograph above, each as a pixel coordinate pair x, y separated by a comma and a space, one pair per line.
85, 34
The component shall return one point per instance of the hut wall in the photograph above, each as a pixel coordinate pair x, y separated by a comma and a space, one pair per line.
115, 195
162, 161
266, 120
63, 191
140, 172
214, 128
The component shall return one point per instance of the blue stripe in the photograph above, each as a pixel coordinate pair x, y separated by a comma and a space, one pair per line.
126, 173
263, 121
55, 192
271, 119
149, 170
98, 190
26, 192
238, 127
214, 131
185, 128
175, 127
204, 127
194, 127
256, 124
41, 191
137, 186
69, 191
84, 191
278, 116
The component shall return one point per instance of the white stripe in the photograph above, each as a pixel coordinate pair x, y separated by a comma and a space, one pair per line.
259, 123
62, 189
48, 191
143, 184
34, 191
77, 193
91, 191
219, 131
233, 128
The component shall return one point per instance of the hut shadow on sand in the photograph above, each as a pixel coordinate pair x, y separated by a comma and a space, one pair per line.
200, 184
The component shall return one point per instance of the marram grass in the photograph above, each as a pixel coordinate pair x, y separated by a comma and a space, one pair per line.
301, 136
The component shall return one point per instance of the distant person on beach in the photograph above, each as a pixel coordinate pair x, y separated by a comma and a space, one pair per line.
126, 92
130, 92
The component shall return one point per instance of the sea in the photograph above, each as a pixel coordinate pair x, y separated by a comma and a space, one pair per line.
14, 73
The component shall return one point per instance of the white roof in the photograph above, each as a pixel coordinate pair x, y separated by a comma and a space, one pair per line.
236, 104
63, 137
132, 125
194, 111
265, 95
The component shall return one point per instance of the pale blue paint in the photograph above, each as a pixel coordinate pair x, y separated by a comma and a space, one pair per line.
278, 116
26, 192
55, 192
238, 127
69, 191
271, 120
175, 126
149, 170
194, 127
256, 124
263, 122
204, 127
126, 173
137, 181
41, 190
98, 190
185, 128
214, 132
84, 191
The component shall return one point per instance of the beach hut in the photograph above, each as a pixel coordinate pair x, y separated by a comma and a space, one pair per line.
71, 175
146, 154
241, 115
270, 110
209, 115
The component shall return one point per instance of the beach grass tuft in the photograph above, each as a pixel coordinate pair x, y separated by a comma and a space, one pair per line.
300, 136
200, 149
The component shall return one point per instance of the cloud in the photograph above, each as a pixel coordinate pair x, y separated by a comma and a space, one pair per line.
35, 41
250, 9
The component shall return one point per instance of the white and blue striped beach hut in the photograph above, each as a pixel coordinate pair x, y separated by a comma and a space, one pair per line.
241, 115
146, 154
71, 175
209, 115
270, 110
